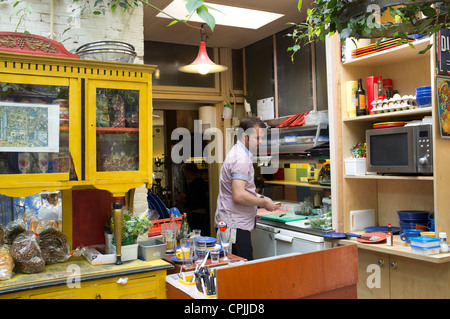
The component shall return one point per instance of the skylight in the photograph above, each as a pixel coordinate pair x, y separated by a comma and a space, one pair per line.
224, 15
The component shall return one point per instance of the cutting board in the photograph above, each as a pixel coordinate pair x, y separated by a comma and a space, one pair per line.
262, 211
304, 223
283, 217
360, 219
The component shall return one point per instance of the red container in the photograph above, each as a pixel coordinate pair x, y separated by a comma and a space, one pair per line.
155, 230
372, 91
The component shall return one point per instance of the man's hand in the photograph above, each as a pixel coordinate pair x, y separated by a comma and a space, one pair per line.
269, 205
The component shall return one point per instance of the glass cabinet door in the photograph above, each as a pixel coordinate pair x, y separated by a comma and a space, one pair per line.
34, 128
118, 128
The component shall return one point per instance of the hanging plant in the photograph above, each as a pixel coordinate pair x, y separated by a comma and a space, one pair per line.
361, 19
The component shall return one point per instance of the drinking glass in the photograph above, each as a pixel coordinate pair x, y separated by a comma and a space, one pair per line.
200, 249
225, 237
185, 251
215, 254
169, 238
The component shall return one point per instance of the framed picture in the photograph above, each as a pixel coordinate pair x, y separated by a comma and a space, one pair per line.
443, 104
29, 127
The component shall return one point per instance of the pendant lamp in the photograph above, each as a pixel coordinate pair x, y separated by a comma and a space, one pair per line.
202, 64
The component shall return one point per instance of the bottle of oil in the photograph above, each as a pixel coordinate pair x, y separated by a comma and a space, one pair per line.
360, 100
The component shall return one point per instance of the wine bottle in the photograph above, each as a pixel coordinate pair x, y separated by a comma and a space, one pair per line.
184, 228
360, 100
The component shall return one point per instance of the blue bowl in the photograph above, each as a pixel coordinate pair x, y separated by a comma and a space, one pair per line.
423, 101
414, 214
405, 225
423, 89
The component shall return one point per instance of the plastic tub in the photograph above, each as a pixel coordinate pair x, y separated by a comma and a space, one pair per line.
151, 249
424, 242
425, 251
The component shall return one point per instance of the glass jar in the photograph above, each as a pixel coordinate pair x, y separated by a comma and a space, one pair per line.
443, 242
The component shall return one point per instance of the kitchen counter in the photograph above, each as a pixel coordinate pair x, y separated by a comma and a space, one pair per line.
399, 248
78, 267
310, 231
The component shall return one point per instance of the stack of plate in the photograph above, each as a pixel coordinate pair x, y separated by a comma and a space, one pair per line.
113, 51
389, 124
373, 48
200, 245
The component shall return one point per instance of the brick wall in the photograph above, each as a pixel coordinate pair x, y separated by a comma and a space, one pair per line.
84, 27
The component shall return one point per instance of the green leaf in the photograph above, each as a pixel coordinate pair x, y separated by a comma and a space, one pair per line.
429, 11
172, 23
113, 8
206, 16
299, 5
193, 5
426, 49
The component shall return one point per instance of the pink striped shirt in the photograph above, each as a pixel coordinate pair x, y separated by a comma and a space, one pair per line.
237, 165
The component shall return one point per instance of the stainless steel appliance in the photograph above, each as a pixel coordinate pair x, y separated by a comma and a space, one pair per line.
269, 241
400, 150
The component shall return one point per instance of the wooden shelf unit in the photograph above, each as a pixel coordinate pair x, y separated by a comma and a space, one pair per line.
387, 194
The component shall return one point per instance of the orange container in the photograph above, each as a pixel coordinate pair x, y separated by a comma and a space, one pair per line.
155, 230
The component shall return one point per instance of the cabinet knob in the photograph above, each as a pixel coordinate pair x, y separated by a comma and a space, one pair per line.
393, 264
98, 296
380, 262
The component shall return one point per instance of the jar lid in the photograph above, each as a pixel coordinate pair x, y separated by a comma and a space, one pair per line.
442, 235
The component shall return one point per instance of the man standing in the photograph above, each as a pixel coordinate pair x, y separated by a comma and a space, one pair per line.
238, 201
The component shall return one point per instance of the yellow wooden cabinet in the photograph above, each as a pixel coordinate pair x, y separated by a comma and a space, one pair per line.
105, 142
67, 123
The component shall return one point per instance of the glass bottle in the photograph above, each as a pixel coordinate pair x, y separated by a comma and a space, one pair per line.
360, 100
443, 242
381, 95
184, 228
389, 236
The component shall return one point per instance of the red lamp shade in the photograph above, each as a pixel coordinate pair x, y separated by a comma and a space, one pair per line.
202, 64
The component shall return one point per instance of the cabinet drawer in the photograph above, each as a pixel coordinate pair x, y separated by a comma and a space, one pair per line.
139, 288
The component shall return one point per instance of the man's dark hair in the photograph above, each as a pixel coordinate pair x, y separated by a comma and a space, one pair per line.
250, 122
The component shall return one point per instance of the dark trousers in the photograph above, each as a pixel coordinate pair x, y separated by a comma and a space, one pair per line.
243, 246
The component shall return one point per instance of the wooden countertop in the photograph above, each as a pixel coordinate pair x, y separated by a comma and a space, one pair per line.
399, 248
57, 274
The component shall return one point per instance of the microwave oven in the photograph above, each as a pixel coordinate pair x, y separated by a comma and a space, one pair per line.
400, 150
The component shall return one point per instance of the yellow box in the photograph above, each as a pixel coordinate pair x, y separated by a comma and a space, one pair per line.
290, 174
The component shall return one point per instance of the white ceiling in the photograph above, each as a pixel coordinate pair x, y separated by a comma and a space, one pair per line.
157, 29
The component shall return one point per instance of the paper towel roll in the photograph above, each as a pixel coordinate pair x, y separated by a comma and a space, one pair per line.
207, 114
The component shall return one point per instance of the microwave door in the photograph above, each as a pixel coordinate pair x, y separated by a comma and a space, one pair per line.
391, 150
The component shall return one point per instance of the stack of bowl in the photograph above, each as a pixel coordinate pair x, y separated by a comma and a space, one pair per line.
409, 218
113, 51
423, 96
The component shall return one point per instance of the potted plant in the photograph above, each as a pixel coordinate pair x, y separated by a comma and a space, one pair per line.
132, 227
356, 164
361, 19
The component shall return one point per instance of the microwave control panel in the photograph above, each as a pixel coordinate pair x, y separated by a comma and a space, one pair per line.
425, 151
